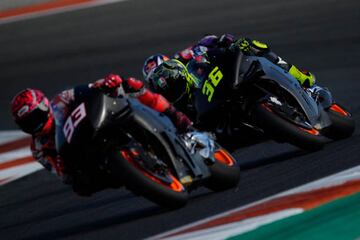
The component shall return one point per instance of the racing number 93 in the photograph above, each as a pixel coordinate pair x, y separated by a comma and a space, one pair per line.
73, 121
209, 86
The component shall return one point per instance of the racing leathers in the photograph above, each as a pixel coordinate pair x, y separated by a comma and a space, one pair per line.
247, 46
171, 79
43, 143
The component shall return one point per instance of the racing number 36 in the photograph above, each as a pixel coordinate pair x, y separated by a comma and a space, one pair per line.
215, 77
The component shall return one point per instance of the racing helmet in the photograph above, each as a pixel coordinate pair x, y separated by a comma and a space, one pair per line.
211, 41
208, 41
152, 62
226, 40
169, 79
31, 111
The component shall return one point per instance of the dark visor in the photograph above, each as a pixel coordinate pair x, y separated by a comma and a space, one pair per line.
34, 121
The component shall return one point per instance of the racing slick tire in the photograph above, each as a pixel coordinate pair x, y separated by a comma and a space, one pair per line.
143, 182
225, 172
282, 130
343, 124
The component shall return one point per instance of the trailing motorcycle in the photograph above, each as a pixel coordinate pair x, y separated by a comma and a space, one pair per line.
122, 142
236, 92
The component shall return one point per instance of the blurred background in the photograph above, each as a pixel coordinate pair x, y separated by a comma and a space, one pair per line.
13, 4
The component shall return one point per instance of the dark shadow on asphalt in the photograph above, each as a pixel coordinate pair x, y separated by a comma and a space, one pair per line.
269, 160
71, 210
35, 198
98, 224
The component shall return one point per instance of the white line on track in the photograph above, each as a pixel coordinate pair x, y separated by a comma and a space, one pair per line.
332, 180
18, 170
13, 173
237, 228
15, 154
11, 135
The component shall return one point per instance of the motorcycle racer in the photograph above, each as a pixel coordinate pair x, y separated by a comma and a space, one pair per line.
170, 77
247, 46
34, 114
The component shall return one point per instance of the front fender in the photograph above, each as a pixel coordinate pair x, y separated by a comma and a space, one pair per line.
289, 84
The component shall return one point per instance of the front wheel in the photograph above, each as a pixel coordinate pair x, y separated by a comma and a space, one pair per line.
342, 123
225, 172
158, 185
281, 129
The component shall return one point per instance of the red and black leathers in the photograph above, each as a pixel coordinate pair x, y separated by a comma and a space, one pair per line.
43, 143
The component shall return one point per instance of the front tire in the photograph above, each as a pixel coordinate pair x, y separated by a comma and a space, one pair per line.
342, 126
282, 130
142, 182
225, 172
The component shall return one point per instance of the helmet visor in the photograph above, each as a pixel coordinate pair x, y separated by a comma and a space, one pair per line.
34, 121
169, 85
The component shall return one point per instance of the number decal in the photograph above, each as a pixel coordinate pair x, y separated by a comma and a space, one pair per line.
215, 77
208, 90
73, 121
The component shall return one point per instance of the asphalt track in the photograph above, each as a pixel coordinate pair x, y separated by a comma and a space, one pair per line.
59, 51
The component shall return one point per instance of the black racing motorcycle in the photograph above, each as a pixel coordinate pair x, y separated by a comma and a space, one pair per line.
122, 142
236, 92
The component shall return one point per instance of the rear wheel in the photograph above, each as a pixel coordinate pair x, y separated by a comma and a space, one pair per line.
282, 130
158, 185
225, 172
342, 126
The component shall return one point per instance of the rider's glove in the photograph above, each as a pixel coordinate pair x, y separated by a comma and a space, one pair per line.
111, 81
109, 85
242, 44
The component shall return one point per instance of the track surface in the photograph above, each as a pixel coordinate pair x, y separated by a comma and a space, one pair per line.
56, 52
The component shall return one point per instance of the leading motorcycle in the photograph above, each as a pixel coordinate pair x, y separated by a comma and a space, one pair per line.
237, 92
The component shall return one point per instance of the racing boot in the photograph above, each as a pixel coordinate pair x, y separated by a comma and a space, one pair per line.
305, 78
